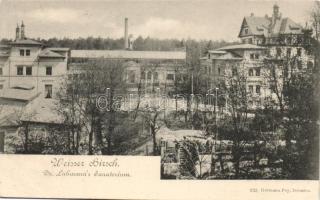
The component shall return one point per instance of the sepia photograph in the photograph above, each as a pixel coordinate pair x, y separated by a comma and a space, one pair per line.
218, 90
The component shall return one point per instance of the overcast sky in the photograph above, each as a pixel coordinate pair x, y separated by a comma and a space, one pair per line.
196, 19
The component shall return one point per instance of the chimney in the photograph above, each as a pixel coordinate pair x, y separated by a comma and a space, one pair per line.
17, 32
22, 35
126, 38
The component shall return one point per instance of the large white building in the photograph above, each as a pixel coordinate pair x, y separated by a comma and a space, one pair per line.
26, 64
30, 75
267, 45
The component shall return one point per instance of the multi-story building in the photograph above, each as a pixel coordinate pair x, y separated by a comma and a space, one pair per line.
151, 69
28, 65
267, 43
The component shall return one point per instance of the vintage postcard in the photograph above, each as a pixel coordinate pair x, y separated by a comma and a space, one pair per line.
159, 99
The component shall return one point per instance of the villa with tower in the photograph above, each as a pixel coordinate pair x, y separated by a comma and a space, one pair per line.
267, 45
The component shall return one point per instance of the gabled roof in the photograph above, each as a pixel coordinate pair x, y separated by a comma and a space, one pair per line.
288, 26
26, 42
170, 55
46, 53
242, 47
11, 118
42, 110
257, 25
263, 26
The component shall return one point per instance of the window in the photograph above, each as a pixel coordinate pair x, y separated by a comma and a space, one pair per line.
272, 88
28, 71
299, 63
258, 89
256, 56
48, 91
251, 56
246, 31
258, 72
49, 71
155, 76
219, 71
143, 75
250, 40
2, 142
149, 76
28, 52
234, 72
20, 70
289, 52
310, 65
1, 87
251, 89
170, 77
278, 52
250, 72
299, 52
131, 76
1, 71
21, 52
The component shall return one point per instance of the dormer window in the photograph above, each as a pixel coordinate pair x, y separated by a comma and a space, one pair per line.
246, 31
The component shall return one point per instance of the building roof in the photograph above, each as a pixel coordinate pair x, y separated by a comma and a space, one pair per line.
228, 56
263, 26
170, 55
23, 86
10, 115
241, 47
257, 25
42, 110
19, 94
4, 54
58, 49
26, 42
217, 52
4, 46
46, 53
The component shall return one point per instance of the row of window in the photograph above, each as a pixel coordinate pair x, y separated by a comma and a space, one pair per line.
24, 52
254, 56
279, 52
28, 70
148, 76
258, 89
251, 72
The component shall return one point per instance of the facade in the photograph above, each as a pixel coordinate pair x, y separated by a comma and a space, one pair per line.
267, 43
26, 64
153, 70
30, 75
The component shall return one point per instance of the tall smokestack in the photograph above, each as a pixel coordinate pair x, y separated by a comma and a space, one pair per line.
126, 38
